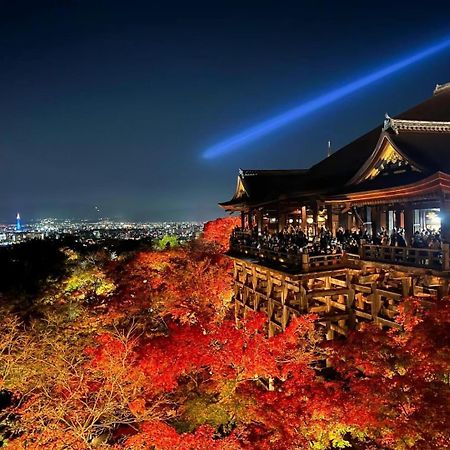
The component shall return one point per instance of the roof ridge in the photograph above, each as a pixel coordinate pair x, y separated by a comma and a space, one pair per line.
398, 125
440, 88
269, 171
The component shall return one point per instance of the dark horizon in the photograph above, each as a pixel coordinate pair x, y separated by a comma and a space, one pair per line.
112, 104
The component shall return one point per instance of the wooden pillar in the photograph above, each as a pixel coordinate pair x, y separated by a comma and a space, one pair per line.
335, 219
350, 215
330, 222
242, 219
398, 218
316, 218
281, 221
406, 287
375, 304
250, 220
305, 262
304, 216
408, 215
285, 310
383, 218
375, 217
259, 220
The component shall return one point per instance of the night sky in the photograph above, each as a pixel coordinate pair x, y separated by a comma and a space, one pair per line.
112, 103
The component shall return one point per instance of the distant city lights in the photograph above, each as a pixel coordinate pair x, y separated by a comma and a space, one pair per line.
97, 231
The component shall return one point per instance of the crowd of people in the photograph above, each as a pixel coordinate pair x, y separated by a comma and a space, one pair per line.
427, 239
420, 239
294, 241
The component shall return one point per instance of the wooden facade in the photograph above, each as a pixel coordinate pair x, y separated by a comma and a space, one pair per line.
395, 177
342, 297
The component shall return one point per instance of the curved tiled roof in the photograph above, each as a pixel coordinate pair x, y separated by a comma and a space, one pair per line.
429, 148
342, 165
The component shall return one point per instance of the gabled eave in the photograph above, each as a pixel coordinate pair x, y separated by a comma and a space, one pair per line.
368, 166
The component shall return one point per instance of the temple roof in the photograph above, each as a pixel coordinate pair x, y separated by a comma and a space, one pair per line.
342, 165
420, 136
430, 150
259, 186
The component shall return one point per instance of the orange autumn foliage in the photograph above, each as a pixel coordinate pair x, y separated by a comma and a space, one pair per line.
187, 283
218, 231
159, 436
175, 372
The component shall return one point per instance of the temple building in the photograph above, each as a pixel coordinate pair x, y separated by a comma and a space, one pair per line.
377, 208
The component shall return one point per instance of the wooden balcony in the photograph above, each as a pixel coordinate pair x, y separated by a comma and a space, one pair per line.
407, 256
298, 262
437, 260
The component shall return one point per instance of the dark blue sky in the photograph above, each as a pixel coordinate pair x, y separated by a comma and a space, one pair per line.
112, 103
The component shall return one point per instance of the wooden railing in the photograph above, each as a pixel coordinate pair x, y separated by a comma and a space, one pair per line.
288, 259
242, 234
301, 261
410, 256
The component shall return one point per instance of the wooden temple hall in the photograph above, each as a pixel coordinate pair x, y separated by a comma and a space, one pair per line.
354, 234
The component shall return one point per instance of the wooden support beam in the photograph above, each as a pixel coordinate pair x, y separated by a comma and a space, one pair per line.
337, 328
406, 287
375, 302
337, 282
363, 314
327, 292
389, 294
387, 323
341, 298
334, 318
362, 288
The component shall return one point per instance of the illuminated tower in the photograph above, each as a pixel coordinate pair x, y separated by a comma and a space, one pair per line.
18, 223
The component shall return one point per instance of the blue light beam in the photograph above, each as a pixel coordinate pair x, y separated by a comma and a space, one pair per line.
272, 124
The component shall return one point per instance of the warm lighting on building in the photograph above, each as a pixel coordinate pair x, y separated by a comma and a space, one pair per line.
433, 220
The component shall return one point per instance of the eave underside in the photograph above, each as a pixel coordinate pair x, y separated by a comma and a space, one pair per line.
432, 188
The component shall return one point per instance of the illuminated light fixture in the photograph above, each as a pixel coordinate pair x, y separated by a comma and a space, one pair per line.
291, 220
434, 219
274, 123
310, 220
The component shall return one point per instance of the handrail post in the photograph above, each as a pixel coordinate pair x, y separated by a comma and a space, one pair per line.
361, 251
305, 262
